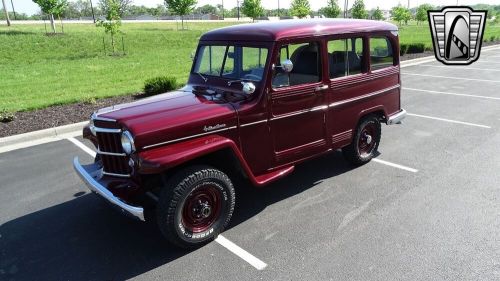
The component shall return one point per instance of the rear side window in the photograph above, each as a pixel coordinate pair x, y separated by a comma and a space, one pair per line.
306, 59
381, 54
345, 57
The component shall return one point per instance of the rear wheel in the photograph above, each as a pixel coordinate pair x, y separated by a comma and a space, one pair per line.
195, 206
365, 142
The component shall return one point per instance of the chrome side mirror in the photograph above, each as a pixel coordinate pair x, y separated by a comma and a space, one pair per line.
287, 65
248, 88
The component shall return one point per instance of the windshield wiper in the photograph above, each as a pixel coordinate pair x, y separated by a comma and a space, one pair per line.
202, 77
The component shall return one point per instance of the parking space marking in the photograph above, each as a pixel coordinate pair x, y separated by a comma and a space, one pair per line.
82, 146
237, 250
449, 77
221, 240
395, 165
451, 94
448, 120
467, 68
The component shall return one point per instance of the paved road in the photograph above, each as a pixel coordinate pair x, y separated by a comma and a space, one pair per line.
327, 221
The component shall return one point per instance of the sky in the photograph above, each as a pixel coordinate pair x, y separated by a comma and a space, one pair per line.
28, 7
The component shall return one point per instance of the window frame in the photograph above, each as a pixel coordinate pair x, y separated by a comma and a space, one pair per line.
385, 36
365, 66
321, 51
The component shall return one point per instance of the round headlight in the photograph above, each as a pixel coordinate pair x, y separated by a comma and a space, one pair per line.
127, 142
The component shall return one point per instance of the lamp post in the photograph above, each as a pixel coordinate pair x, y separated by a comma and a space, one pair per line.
6, 13
238, 5
346, 4
92, 8
278, 8
222, 9
13, 10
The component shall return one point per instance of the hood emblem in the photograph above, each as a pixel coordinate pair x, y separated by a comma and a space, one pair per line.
214, 127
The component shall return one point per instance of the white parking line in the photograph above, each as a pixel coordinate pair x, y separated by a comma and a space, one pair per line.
466, 68
237, 250
395, 165
82, 146
451, 94
448, 120
448, 77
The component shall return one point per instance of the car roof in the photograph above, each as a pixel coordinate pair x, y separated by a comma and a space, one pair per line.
283, 29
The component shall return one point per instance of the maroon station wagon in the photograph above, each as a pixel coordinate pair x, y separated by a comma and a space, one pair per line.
260, 98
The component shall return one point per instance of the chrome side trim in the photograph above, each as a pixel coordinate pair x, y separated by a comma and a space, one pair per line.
105, 130
116, 175
90, 175
316, 108
396, 118
372, 94
110, 153
188, 137
253, 123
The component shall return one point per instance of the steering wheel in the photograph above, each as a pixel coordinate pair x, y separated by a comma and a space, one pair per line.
251, 77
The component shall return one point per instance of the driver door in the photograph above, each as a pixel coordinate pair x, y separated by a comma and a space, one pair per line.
298, 103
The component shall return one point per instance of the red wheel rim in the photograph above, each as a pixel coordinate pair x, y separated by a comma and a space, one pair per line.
367, 139
201, 208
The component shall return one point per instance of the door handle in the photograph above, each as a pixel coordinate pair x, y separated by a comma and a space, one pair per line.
321, 88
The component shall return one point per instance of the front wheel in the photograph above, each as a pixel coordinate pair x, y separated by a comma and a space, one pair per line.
365, 142
195, 206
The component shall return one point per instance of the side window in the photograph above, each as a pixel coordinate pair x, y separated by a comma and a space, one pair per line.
229, 70
381, 55
345, 57
306, 59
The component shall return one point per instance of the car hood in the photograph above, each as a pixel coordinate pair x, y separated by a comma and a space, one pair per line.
172, 116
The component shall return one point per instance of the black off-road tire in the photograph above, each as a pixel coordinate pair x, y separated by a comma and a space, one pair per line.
356, 153
180, 190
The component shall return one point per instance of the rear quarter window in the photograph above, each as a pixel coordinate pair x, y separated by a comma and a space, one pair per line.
381, 53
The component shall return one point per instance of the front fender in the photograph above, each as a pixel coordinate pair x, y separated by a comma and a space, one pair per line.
160, 159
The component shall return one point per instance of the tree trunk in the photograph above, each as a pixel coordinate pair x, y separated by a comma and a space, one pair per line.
182, 22
6, 13
52, 23
113, 43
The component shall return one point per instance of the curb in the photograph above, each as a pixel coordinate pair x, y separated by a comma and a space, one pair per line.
45, 133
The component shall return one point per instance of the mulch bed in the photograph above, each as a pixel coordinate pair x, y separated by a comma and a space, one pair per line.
72, 113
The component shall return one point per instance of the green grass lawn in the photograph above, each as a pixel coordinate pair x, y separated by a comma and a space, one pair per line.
37, 71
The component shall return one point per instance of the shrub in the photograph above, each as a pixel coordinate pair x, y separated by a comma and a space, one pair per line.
403, 48
159, 85
6, 116
492, 38
414, 48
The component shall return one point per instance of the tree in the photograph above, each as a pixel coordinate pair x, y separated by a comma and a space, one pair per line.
51, 8
358, 10
422, 12
113, 21
6, 13
300, 8
206, 9
332, 10
180, 7
401, 14
377, 14
123, 6
252, 8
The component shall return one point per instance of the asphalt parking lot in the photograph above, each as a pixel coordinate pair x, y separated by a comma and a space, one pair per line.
427, 209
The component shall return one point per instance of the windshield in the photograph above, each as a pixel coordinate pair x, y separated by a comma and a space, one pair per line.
232, 62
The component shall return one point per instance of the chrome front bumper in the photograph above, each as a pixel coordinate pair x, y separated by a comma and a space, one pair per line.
91, 174
397, 117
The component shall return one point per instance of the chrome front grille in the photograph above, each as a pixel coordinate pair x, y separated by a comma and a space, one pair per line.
114, 160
